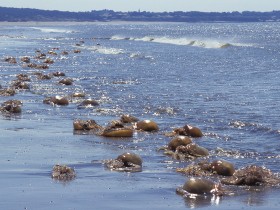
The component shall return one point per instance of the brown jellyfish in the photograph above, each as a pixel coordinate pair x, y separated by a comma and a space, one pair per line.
188, 130
117, 129
127, 161
86, 125
23, 77
204, 168
11, 106
52, 52
222, 167
178, 141
18, 84
88, 103
25, 59
63, 173
190, 151
128, 118
200, 186
252, 175
49, 61
7, 92
66, 81
130, 159
59, 74
78, 95
11, 60
146, 125
56, 100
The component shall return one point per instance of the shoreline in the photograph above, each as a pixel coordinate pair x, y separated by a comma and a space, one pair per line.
169, 88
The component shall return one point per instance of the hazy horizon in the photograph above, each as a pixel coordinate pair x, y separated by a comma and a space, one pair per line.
145, 5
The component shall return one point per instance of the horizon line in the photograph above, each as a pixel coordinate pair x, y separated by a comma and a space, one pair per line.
139, 10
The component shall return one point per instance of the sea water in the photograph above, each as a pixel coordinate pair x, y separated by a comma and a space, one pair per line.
220, 77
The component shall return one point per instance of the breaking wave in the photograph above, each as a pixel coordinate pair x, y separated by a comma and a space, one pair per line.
254, 127
220, 152
210, 43
52, 30
117, 37
105, 50
12, 37
141, 56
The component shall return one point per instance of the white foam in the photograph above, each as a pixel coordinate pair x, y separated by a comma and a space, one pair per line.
145, 39
52, 30
192, 42
140, 56
111, 51
183, 41
134, 55
105, 50
117, 37
175, 41
243, 45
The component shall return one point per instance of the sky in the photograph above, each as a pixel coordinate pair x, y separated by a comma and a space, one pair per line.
147, 5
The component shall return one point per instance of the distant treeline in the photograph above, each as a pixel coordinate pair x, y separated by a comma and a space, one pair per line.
23, 14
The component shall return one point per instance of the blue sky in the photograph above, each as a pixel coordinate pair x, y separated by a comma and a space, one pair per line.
147, 5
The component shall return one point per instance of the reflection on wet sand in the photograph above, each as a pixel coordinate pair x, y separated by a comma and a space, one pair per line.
200, 201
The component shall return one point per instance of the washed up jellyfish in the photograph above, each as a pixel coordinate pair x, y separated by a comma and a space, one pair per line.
63, 173
11, 106
126, 118
146, 125
128, 162
88, 103
202, 192
117, 129
56, 100
186, 130
86, 125
189, 152
200, 186
205, 168
252, 175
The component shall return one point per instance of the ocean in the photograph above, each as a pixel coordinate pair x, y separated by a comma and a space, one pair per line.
221, 77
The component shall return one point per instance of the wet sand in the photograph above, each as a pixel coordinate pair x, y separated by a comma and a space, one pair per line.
42, 135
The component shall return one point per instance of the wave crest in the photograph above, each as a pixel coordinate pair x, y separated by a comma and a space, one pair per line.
105, 50
204, 43
52, 30
253, 127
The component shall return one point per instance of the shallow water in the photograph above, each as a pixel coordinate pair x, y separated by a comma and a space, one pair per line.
220, 77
